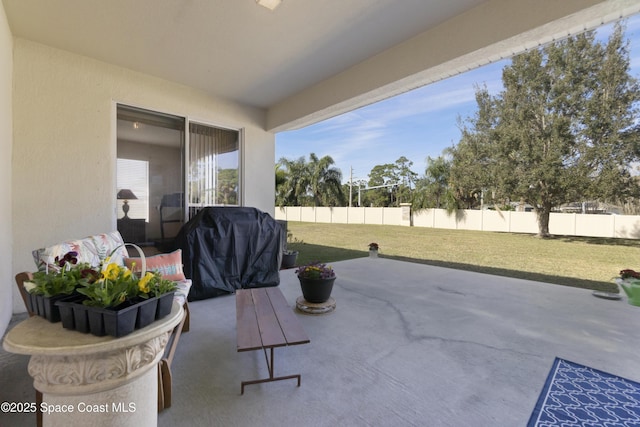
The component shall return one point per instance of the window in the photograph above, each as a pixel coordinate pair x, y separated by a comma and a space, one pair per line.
133, 175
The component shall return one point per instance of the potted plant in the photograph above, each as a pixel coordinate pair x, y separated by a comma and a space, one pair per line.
118, 301
289, 257
56, 282
629, 281
316, 281
373, 250
162, 289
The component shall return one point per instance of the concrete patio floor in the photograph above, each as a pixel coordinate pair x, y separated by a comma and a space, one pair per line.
409, 344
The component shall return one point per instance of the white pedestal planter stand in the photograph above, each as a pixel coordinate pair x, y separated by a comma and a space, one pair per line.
89, 380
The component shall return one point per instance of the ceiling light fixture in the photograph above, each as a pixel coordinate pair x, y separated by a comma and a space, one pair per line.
269, 4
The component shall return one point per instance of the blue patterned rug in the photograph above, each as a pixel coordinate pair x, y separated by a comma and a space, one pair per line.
575, 395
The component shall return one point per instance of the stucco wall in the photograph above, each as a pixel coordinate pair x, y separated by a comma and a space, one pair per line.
65, 145
6, 69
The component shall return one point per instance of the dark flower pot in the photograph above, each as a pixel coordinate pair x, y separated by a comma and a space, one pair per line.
288, 260
46, 306
165, 301
146, 312
81, 317
31, 304
67, 313
116, 322
96, 321
316, 291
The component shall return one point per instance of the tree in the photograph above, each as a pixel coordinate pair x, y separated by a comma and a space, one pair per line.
562, 129
357, 197
381, 175
472, 159
227, 187
398, 180
315, 183
433, 191
406, 179
325, 182
293, 188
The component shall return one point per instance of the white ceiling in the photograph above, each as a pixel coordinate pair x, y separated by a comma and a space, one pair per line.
235, 49
308, 59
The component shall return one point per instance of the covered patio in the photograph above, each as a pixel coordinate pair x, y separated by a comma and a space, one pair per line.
408, 344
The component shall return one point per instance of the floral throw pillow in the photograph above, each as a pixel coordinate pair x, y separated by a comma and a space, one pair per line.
168, 265
182, 292
92, 249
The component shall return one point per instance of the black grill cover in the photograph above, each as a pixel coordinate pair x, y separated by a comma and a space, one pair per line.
229, 248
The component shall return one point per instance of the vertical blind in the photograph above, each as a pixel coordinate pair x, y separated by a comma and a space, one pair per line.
213, 166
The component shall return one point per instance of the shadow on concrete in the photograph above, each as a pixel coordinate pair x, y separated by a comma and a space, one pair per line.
309, 253
538, 277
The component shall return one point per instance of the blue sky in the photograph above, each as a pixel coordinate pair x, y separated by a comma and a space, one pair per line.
416, 124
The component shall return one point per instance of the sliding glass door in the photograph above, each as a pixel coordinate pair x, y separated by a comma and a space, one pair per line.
150, 168
155, 196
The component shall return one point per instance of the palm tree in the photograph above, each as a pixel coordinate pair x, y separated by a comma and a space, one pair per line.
325, 182
316, 183
293, 188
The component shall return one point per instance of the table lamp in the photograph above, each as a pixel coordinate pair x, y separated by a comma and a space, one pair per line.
126, 195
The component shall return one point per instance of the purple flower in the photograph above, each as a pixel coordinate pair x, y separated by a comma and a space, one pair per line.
316, 270
70, 257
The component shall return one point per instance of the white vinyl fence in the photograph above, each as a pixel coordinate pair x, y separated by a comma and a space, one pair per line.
567, 224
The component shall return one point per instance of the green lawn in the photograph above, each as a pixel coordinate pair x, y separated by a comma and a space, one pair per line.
585, 262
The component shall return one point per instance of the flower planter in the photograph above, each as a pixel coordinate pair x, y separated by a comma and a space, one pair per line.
288, 259
46, 306
165, 301
631, 287
68, 314
316, 291
116, 322
81, 317
31, 307
146, 312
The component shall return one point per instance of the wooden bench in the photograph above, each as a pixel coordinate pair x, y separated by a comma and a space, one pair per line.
264, 321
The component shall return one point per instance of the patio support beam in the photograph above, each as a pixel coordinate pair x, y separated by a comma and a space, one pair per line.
492, 31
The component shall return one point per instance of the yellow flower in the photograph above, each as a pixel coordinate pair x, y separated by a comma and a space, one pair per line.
143, 284
111, 272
